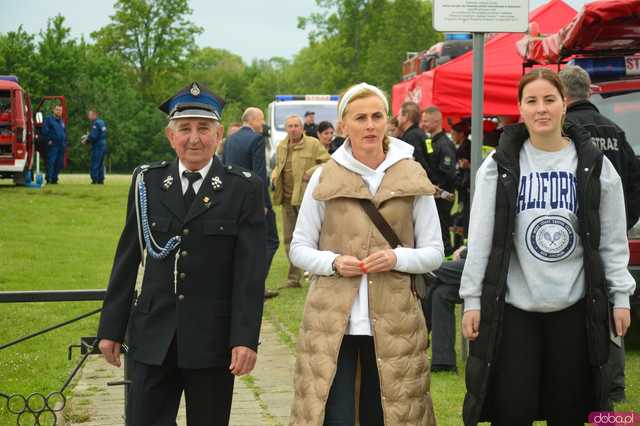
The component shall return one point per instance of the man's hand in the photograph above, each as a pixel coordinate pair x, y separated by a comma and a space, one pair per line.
622, 320
456, 254
471, 324
348, 266
380, 261
111, 351
243, 360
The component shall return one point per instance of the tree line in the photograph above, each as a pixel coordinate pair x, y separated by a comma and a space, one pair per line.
147, 52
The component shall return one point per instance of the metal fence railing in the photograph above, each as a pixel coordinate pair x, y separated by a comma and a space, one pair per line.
37, 408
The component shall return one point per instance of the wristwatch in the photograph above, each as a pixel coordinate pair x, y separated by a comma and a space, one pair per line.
334, 270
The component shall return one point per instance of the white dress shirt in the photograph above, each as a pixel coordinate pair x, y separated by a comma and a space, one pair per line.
197, 184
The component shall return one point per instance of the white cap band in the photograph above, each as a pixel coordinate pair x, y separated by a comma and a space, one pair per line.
357, 89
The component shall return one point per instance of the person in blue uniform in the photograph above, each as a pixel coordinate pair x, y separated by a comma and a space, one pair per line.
54, 137
198, 226
98, 140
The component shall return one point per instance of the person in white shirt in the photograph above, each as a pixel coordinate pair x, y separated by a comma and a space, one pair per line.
547, 251
361, 315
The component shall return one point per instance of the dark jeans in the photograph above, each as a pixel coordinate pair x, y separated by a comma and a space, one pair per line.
98, 151
55, 161
340, 408
439, 309
272, 238
542, 369
156, 391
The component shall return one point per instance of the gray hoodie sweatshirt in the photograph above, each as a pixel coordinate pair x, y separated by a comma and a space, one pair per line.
546, 271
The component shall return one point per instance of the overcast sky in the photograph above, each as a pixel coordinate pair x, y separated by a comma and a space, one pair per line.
249, 28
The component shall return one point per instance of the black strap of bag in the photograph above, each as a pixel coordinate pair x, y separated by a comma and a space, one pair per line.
419, 284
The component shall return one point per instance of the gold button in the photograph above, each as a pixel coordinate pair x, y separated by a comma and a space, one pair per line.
185, 231
153, 224
183, 275
184, 253
222, 228
181, 297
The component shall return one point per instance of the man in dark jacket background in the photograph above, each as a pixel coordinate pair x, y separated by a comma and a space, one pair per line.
411, 133
245, 148
441, 168
611, 140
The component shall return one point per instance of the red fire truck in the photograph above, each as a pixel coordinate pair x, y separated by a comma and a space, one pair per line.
19, 125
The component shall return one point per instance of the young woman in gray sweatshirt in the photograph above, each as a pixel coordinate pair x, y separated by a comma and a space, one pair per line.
536, 364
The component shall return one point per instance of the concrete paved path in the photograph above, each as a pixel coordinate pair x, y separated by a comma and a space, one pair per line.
262, 398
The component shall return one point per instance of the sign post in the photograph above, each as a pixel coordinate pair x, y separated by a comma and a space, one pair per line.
479, 17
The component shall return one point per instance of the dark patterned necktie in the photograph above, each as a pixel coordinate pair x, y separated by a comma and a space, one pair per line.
190, 194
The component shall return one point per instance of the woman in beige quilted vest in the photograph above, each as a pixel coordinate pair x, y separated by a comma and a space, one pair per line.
362, 345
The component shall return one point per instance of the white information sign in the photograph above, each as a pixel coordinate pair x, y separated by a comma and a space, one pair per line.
481, 16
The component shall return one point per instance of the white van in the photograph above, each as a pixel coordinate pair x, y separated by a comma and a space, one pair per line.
325, 108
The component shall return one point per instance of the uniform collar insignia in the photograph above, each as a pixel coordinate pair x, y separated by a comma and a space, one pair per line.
216, 183
167, 182
195, 89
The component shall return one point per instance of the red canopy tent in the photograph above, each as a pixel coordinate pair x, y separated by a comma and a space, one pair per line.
448, 86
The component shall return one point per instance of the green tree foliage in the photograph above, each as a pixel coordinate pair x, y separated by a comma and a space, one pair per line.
154, 37
147, 52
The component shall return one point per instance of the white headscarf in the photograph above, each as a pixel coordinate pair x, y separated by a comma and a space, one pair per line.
357, 89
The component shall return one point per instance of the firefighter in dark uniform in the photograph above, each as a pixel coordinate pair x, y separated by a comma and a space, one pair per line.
441, 161
194, 322
611, 140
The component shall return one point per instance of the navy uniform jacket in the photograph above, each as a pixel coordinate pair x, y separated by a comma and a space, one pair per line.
245, 148
220, 271
53, 130
98, 132
612, 141
442, 161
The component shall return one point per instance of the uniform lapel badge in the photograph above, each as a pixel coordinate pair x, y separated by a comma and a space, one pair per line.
206, 201
167, 182
216, 183
247, 174
195, 90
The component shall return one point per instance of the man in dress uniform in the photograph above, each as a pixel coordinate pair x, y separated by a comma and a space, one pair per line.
199, 227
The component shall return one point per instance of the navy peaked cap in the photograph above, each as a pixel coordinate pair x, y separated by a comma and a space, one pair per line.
195, 100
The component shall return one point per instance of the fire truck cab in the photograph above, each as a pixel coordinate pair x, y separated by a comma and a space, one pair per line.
19, 125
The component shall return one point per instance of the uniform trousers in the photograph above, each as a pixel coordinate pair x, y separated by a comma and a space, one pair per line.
156, 391
542, 369
55, 161
98, 150
444, 213
289, 218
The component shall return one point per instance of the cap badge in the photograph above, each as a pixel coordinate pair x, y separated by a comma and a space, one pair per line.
195, 90
167, 182
216, 183
246, 174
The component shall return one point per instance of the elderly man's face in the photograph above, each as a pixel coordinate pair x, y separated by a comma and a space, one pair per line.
257, 122
430, 122
294, 129
194, 140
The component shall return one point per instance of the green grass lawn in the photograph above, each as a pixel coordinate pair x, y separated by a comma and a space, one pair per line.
64, 237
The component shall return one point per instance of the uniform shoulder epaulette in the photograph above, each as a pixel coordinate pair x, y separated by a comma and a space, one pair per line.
151, 166
239, 171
